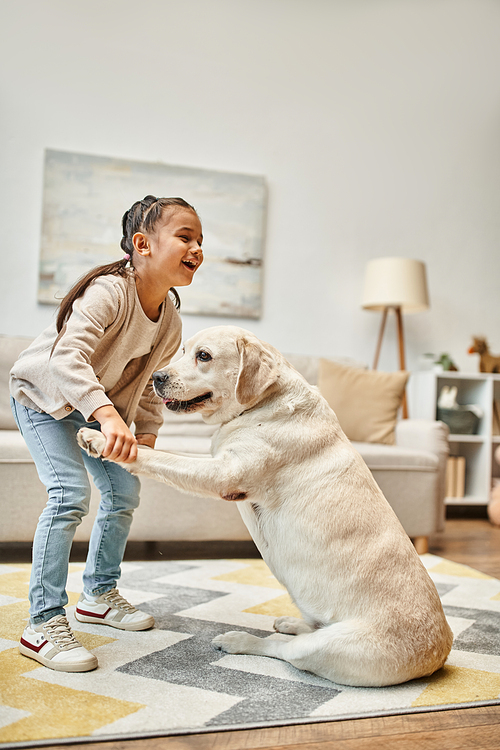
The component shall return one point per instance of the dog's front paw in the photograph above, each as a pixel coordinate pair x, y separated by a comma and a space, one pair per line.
92, 441
236, 642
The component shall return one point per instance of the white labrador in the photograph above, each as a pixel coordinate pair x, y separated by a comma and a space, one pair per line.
371, 614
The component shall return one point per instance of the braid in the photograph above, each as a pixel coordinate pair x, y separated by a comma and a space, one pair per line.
133, 221
142, 216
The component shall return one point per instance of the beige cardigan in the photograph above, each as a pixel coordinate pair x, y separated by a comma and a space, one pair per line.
100, 334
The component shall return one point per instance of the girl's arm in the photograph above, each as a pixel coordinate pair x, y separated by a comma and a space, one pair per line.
70, 363
147, 439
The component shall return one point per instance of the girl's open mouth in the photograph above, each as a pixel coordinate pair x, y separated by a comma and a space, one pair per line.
191, 264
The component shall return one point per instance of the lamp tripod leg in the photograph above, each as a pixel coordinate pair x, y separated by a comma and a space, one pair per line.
380, 337
402, 364
401, 347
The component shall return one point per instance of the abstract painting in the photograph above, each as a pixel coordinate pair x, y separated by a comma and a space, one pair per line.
85, 196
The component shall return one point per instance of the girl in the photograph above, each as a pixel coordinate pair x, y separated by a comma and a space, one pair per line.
93, 367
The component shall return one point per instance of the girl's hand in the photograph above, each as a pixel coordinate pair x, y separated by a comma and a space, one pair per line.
121, 445
147, 439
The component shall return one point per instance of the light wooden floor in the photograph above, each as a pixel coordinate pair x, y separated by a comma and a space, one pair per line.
473, 542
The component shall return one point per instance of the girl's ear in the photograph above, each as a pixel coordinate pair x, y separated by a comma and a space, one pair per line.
141, 243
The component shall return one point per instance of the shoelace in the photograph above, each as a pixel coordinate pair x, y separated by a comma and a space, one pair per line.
60, 632
114, 598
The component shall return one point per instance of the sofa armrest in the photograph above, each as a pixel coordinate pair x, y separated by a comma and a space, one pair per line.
423, 435
432, 436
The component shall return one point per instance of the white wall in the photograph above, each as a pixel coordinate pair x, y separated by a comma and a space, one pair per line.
375, 122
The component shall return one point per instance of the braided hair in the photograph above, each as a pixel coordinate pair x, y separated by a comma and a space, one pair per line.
143, 216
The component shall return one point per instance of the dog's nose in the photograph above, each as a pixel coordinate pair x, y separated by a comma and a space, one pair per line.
160, 378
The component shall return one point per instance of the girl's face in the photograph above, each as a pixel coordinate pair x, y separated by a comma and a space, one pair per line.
173, 250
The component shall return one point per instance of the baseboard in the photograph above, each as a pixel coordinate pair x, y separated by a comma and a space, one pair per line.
20, 552
466, 511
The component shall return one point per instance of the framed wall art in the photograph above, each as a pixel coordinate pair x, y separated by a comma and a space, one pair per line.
85, 196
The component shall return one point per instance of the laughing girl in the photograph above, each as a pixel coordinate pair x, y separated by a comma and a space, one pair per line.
93, 368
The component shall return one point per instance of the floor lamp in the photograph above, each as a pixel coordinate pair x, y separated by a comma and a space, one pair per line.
397, 284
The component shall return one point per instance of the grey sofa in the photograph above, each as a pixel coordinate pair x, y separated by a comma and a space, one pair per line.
411, 474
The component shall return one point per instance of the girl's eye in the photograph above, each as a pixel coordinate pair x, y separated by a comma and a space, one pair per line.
204, 356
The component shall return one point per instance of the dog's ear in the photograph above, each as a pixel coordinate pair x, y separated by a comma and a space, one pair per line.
258, 370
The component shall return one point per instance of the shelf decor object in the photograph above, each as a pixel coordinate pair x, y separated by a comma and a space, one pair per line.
398, 284
461, 420
476, 447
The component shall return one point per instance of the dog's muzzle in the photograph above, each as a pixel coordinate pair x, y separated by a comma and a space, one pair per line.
160, 382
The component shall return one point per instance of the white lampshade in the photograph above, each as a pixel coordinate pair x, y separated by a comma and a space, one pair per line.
395, 282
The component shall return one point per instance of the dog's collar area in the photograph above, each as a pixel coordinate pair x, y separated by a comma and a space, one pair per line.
173, 405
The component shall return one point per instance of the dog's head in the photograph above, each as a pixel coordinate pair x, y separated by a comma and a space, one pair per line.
223, 371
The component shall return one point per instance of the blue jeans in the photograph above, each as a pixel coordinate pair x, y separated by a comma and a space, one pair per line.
62, 467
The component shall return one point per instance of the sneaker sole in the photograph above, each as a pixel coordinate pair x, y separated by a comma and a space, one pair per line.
58, 666
120, 625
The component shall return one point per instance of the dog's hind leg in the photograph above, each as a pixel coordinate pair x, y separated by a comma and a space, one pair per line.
239, 642
338, 652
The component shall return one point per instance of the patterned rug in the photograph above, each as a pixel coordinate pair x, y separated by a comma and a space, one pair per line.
169, 680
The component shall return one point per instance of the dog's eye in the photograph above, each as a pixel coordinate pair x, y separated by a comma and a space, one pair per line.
203, 356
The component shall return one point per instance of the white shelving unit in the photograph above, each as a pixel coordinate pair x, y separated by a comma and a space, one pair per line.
482, 389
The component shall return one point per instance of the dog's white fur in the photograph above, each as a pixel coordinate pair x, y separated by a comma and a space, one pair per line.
371, 614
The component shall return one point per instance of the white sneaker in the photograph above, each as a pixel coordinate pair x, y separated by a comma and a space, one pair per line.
112, 609
53, 644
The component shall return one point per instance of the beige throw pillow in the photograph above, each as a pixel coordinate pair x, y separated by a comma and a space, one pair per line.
366, 402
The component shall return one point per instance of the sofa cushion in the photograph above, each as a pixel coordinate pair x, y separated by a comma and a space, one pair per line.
366, 402
13, 448
380, 457
10, 349
189, 444
191, 425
